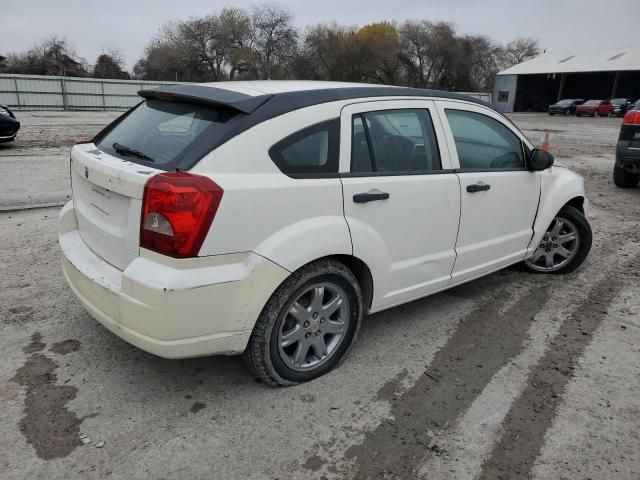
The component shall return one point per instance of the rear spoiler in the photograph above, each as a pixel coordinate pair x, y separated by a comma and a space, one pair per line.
212, 96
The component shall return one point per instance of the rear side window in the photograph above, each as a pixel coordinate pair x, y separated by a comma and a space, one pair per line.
484, 143
394, 141
162, 131
312, 151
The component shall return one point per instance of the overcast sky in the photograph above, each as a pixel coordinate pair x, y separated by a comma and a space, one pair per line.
93, 25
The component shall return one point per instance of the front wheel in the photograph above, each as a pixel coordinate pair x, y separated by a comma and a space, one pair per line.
564, 246
624, 179
308, 325
567, 112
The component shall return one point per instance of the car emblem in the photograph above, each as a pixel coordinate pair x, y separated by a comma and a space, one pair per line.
86, 172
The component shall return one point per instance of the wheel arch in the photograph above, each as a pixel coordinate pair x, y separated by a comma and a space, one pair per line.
560, 187
362, 273
577, 203
357, 266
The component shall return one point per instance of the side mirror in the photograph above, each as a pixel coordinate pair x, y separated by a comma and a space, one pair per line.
539, 160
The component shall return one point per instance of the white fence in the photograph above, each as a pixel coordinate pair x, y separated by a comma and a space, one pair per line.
39, 92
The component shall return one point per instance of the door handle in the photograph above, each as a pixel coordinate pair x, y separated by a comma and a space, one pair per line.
478, 187
370, 196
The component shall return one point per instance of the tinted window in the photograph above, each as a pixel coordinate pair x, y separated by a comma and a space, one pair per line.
394, 141
313, 150
483, 142
163, 130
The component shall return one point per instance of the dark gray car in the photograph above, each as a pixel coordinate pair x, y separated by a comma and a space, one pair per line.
565, 107
9, 125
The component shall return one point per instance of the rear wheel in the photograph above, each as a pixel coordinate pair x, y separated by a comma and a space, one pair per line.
624, 179
308, 325
564, 246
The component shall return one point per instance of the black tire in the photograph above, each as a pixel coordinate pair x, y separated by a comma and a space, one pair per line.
567, 112
552, 114
624, 179
262, 355
576, 217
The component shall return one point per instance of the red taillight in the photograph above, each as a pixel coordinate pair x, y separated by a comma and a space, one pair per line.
632, 118
177, 211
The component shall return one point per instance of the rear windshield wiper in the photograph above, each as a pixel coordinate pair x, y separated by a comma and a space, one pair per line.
124, 150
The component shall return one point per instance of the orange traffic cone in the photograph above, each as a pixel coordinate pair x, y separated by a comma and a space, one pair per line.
545, 142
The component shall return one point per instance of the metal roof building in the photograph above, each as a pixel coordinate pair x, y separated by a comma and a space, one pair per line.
553, 75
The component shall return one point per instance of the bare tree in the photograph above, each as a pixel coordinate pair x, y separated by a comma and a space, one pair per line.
110, 64
275, 38
201, 38
428, 51
236, 31
481, 61
53, 56
518, 51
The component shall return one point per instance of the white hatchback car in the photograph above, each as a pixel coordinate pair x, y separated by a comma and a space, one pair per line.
269, 217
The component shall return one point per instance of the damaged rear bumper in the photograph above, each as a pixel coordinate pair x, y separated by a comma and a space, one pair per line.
169, 307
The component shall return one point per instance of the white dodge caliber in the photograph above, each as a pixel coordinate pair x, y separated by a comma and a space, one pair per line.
268, 218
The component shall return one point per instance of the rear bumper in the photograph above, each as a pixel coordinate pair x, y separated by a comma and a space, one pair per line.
8, 129
7, 138
167, 307
628, 158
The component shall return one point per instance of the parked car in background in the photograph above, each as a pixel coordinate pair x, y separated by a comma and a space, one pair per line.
565, 107
592, 108
9, 125
270, 217
621, 106
626, 170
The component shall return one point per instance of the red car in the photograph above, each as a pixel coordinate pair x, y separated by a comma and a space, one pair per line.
593, 108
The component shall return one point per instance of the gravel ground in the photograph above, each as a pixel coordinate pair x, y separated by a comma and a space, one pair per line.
514, 376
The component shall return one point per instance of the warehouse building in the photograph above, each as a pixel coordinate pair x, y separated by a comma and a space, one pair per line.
535, 84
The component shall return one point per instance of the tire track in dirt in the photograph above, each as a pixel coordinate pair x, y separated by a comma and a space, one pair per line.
532, 413
486, 340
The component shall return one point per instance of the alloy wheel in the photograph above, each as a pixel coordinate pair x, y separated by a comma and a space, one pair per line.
313, 327
557, 248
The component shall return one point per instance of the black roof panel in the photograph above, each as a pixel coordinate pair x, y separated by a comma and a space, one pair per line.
253, 110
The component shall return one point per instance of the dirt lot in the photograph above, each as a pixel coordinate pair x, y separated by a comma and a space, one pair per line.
513, 376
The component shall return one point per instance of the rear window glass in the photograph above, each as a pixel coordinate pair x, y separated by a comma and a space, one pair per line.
161, 131
312, 151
